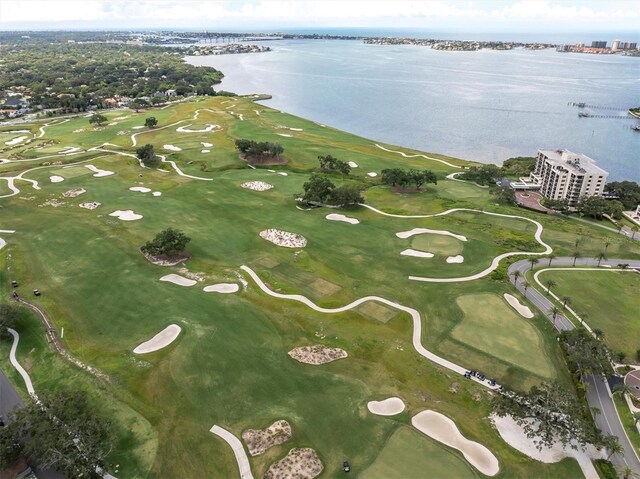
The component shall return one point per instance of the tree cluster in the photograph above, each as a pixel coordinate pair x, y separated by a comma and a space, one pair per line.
519, 166
60, 430
151, 122
504, 194
147, 155
597, 207
483, 175
585, 354
98, 119
9, 315
169, 243
320, 190
402, 178
259, 150
329, 164
628, 193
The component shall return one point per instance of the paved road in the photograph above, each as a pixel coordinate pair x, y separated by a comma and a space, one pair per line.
598, 394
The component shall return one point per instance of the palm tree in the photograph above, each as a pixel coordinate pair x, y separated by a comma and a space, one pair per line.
565, 300
614, 447
576, 255
622, 389
550, 284
577, 242
600, 257
627, 473
525, 284
516, 275
554, 314
551, 258
598, 333
533, 261
607, 243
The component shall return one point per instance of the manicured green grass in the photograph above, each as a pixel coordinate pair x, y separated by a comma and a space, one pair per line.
609, 300
438, 244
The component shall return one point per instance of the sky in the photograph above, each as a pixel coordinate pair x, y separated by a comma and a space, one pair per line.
268, 15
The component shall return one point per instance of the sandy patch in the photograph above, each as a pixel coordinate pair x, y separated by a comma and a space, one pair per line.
98, 172
206, 145
300, 463
141, 189
140, 127
257, 185
515, 436
3, 243
455, 259
177, 279
161, 340
353, 164
296, 129
205, 151
186, 129
282, 173
518, 306
126, 215
221, 288
387, 407
92, 205
343, 218
416, 253
284, 238
53, 202
171, 148
157, 193
419, 231
439, 427
259, 440
317, 354
13, 132
15, 141
79, 130
284, 134
372, 174
74, 192
56, 179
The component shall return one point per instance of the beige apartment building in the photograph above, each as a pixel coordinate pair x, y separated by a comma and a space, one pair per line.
563, 174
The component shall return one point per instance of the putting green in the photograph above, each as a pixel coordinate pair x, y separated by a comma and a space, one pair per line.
490, 325
437, 244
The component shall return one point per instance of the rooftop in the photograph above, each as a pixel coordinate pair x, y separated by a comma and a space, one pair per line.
577, 163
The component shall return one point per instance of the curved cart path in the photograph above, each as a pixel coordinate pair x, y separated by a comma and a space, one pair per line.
415, 316
17, 365
416, 156
238, 450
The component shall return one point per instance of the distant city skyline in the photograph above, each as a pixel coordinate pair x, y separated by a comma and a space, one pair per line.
586, 16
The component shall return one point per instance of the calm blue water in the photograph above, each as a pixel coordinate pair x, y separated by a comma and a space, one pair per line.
485, 106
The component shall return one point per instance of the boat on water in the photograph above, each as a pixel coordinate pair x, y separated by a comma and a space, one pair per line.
583, 114
636, 128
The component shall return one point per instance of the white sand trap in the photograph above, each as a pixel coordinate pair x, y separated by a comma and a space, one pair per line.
317, 354
74, 192
56, 179
126, 215
140, 127
98, 172
296, 129
343, 218
515, 436
141, 189
284, 134
416, 253
205, 151
455, 259
282, 173
271, 171
372, 174
221, 288
439, 427
284, 238
3, 243
387, 407
179, 280
157, 193
353, 164
171, 148
15, 141
206, 145
256, 185
92, 205
186, 129
419, 231
161, 340
518, 306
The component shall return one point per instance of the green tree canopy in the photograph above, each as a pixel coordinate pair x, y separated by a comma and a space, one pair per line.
329, 164
483, 175
9, 315
401, 178
628, 192
97, 118
170, 243
147, 155
597, 207
150, 122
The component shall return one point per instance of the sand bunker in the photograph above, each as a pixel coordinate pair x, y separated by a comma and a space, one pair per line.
186, 129
257, 185
300, 463
518, 306
15, 141
206, 145
284, 134
177, 279
439, 427
387, 407
282, 173
416, 253
126, 215
56, 179
205, 151
221, 288
419, 231
157, 193
90, 206
455, 259
141, 189
161, 340
372, 174
74, 192
317, 354
343, 218
284, 238
353, 164
140, 127
259, 440
98, 172
296, 129
171, 148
